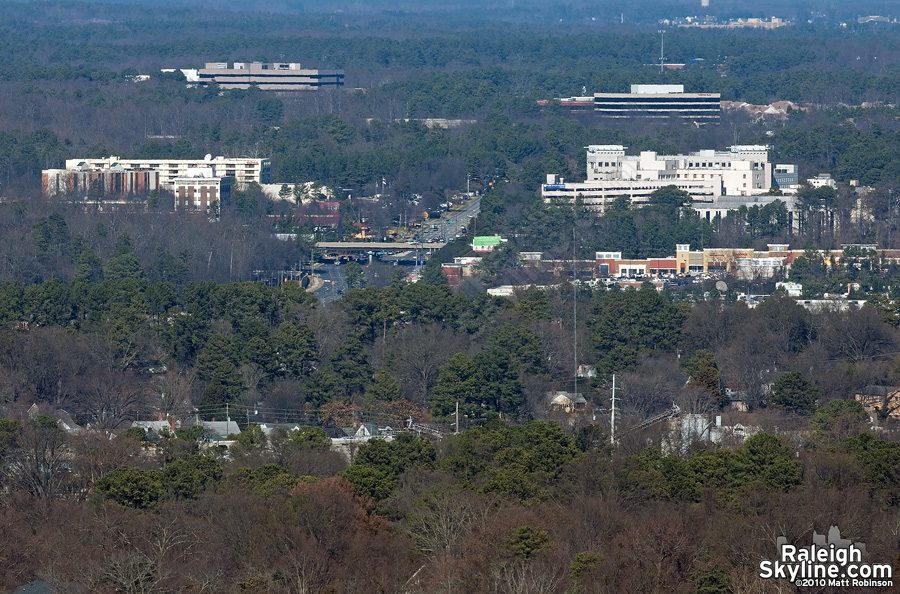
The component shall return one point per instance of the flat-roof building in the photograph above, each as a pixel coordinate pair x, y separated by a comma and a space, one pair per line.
659, 101
277, 76
200, 190
705, 175
241, 170
486, 243
110, 183
786, 175
722, 205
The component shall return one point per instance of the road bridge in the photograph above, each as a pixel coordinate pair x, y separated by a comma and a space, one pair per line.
370, 246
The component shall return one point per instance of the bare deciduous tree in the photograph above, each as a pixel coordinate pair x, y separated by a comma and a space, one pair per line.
422, 349
39, 464
108, 399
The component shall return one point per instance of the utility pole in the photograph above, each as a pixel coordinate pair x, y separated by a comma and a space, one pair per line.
457, 416
575, 309
612, 416
227, 421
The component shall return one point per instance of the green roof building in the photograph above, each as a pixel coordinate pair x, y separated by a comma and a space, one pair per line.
486, 243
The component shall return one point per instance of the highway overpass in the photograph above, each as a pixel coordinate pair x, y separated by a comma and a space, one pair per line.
373, 246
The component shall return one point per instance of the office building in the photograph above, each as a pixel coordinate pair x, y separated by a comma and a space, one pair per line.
659, 101
269, 77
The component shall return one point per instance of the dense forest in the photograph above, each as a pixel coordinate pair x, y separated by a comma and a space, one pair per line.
109, 315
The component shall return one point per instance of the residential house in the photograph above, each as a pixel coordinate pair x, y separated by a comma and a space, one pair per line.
567, 402
880, 400
220, 430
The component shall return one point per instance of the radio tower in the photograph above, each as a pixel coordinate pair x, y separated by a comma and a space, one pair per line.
662, 47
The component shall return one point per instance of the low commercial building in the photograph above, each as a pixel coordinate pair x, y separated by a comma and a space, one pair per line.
823, 180
574, 105
720, 206
320, 215
744, 263
486, 243
612, 264
278, 76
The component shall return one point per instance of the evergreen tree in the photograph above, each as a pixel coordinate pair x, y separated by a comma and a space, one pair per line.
384, 388
794, 393
432, 273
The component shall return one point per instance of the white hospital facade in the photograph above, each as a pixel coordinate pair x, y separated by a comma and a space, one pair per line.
705, 175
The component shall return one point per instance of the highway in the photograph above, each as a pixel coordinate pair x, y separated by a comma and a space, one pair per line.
451, 222
334, 284
332, 275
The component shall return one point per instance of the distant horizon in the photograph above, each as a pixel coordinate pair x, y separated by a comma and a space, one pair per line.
638, 11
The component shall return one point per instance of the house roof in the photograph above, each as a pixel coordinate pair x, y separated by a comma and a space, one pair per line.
879, 390
268, 428
563, 397
221, 428
66, 423
152, 425
36, 587
362, 430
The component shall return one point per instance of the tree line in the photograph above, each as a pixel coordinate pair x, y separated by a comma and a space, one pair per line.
528, 508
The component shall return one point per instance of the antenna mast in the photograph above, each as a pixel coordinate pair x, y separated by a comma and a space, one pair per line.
662, 47
612, 416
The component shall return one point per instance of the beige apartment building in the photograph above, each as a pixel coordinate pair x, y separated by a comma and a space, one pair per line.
241, 170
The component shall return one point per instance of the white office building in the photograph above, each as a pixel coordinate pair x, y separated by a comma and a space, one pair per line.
277, 76
705, 175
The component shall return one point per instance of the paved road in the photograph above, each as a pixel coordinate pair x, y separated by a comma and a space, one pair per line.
332, 275
451, 222
334, 285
